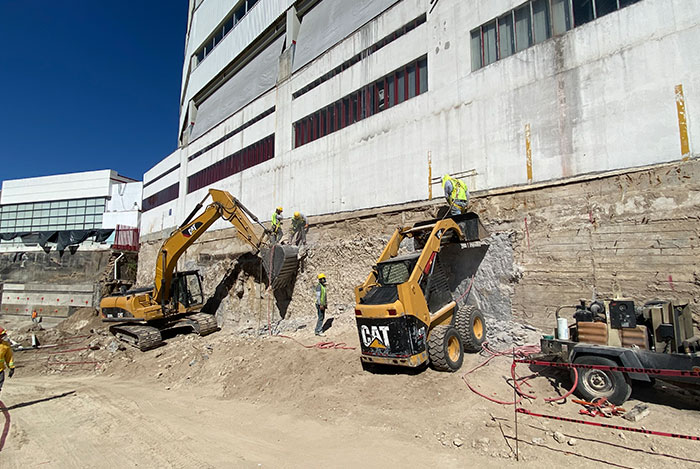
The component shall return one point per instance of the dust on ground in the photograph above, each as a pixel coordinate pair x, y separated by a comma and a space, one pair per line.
239, 399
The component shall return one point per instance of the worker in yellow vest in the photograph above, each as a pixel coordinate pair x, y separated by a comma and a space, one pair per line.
277, 225
6, 358
456, 193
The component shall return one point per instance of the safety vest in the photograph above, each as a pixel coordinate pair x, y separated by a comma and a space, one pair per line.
6, 356
321, 294
459, 188
275, 221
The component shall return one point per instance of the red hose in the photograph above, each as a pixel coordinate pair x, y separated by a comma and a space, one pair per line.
320, 345
6, 427
522, 351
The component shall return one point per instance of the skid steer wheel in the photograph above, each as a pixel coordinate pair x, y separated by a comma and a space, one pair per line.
445, 348
471, 327
594, 384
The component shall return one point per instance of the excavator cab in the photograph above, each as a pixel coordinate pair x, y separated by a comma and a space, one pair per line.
187, 291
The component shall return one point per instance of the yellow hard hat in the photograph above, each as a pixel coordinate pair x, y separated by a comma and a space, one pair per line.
297, 214
320, 276
279, 209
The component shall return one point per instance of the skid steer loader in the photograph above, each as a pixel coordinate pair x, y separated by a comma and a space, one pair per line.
405, 312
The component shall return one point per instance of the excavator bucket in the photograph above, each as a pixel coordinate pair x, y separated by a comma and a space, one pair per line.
280, 263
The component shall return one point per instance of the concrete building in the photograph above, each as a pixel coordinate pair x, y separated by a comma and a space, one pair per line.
92, 200
574, 123
332, 106
42, 222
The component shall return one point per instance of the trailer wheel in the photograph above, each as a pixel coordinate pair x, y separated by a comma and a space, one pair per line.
471, 327
594, 384
445, 348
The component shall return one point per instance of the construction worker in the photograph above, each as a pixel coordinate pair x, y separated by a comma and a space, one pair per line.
35, 316
300, 225
277, 225
6, 358
456, 193
321, 303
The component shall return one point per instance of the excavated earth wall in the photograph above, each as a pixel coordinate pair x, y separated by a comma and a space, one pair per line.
551, 245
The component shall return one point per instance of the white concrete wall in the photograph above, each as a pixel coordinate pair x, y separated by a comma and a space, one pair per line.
57, 187
600, 97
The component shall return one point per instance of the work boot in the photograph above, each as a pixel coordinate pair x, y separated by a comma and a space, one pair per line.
321, 334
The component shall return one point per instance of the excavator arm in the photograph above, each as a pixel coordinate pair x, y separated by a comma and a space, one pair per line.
223, 205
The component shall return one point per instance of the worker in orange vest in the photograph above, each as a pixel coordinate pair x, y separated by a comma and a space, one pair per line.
34, 316
6, 358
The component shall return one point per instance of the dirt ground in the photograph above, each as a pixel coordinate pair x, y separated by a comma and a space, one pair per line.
229, 401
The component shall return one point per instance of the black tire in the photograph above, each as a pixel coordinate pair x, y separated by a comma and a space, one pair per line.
445, 348
471, 326
594, 384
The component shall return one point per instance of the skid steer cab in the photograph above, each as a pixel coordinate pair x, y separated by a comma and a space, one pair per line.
405, 311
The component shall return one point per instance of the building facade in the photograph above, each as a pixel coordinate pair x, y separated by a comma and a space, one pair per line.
327, 106
95, 201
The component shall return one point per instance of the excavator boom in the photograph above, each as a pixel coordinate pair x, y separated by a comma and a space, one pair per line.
223, 205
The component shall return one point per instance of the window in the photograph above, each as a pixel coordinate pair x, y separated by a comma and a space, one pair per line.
217, 36
533, 22
583, 11
506, 41
402, 84
249, 156
603, 7
476, 49
490, 48
561, 17
523, 28
540, 20
412, 89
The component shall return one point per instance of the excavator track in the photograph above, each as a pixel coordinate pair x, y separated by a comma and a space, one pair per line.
141, 337
204, 323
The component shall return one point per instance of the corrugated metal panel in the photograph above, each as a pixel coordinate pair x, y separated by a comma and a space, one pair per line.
330, 22
257, 77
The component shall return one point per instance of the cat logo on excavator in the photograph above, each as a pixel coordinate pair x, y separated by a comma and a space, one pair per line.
190, 230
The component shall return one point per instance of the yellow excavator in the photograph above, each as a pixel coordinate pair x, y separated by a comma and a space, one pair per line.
176, 299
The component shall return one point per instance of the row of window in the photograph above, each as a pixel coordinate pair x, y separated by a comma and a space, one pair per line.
98, 201
249, 156
159, 198
84, 222
402, 84
411, 25
532, 23
230, 134
229, 23
55, 212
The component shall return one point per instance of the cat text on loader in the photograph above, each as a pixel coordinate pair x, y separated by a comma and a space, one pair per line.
405, 312
176, 299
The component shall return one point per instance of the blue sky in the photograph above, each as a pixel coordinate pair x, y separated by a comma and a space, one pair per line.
89, 85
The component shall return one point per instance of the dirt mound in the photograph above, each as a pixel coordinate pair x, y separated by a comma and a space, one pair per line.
82, 320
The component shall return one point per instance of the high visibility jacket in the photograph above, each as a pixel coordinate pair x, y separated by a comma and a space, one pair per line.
276, 220
321, 295
6, 357
459, 189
